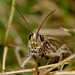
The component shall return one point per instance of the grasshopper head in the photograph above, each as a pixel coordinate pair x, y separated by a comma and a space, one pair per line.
35, 44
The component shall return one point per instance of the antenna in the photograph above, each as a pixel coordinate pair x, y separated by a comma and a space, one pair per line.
23, 18
45, 20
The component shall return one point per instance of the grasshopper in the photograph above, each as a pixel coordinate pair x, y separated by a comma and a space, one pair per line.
41, 46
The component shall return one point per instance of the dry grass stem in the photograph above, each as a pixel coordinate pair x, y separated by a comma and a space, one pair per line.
71, 31
7, 32
18, 55
31, 70
17, 46
65, 73
57, 32
4, 57
10, 21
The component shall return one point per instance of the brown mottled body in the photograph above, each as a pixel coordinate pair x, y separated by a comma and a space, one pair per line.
41, 47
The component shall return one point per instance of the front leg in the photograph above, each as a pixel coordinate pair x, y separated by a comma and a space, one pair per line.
24, 63
35, 64
63, 49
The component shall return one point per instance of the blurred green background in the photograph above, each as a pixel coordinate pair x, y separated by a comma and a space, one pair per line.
34, 11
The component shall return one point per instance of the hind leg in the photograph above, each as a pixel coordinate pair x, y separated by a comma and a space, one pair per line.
63, 49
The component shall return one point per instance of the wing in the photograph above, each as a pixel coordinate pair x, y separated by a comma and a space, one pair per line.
51, 45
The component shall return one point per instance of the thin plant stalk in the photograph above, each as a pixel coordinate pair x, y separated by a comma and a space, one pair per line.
39, 68
4, 57
18, 55
65, 73
7, 33
10, 21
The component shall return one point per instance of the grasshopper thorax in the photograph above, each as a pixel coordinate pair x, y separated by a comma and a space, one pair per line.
35, 44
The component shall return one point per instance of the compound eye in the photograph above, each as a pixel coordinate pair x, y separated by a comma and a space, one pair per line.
41, 37
30, 36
